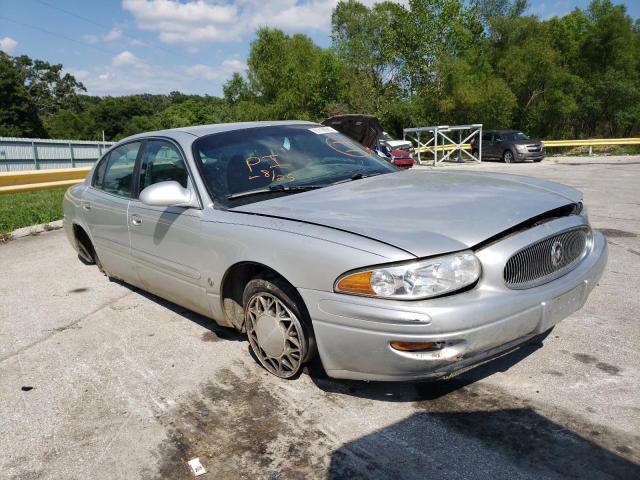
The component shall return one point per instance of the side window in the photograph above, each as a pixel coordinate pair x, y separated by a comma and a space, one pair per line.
162, 162
119, 170
98, 176
486, 137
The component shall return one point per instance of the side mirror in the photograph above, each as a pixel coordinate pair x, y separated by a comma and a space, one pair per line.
168, 194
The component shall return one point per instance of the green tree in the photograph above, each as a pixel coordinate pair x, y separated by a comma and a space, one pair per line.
48, 85
18, 112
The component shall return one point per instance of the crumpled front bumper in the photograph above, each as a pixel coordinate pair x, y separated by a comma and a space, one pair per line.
353, 334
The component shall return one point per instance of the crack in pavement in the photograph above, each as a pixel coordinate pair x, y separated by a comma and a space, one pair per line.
63, 328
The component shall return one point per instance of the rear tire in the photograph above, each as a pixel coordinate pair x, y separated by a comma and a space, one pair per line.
278, 326
87, 253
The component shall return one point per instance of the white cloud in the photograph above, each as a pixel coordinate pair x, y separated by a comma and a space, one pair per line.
91, 39
234, 65
114, 34
221, 72
198, 22
134, 42
79, 74
118, 78
185, 23
7, 45
110, 36
204, 71
125, 58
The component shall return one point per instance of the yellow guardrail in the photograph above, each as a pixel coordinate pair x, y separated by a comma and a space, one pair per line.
30, 180
594, 142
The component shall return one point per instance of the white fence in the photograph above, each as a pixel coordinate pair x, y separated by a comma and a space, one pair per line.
35, 153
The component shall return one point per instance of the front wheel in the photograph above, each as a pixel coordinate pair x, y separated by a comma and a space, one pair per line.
278, 327
508, 156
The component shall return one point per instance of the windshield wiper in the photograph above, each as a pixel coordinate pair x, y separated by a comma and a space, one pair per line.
357, 176
275, 189
297, 188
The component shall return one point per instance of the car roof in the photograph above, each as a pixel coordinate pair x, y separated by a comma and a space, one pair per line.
505, 130
202, 130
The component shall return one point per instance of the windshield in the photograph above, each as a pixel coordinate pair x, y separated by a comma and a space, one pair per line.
281, 159
386, 137
514, 136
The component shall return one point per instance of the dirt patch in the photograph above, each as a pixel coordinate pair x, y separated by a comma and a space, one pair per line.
591, 360
209, 337
79, 290
585, 358
614, 233
239, 429
608, 368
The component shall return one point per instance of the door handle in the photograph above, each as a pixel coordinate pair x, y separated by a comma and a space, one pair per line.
136, 220
86, 206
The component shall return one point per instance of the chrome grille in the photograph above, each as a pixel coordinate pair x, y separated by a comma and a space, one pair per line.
547, 259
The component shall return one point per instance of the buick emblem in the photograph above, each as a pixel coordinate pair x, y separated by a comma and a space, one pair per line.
556, 253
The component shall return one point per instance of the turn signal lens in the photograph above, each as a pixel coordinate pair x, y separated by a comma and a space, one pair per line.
412, 346
357, 283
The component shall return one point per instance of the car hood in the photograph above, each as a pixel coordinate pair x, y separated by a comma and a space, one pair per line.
398, 143
423, 212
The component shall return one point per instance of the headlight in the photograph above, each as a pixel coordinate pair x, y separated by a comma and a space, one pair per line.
415, 280
521, 148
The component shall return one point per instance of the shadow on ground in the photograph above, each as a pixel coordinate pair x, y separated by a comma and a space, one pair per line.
215, 331
501, 443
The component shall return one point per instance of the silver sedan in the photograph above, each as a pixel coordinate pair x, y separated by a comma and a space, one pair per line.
322, 252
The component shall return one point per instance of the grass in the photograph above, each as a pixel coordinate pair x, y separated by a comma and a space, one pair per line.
29, 208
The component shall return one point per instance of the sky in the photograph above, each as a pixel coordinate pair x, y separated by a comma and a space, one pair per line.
119, 47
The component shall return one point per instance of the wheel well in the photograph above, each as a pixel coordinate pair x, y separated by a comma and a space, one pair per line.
233, 283
85, 247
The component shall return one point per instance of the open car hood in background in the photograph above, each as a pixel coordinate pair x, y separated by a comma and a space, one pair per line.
364, 129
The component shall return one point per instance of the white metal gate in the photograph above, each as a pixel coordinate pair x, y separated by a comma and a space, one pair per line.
439, 142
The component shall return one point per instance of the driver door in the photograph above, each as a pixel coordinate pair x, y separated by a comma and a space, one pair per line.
165, 241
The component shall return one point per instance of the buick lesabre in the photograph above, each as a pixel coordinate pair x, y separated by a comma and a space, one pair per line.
293, 233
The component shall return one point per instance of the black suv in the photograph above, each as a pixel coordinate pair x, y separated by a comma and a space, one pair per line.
508, 145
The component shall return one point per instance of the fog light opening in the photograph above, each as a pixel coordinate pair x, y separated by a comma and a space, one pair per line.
417, 346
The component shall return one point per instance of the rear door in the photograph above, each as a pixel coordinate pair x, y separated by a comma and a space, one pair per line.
104, 208
487, 145
165, 241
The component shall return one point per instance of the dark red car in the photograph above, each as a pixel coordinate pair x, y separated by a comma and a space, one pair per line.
401, 159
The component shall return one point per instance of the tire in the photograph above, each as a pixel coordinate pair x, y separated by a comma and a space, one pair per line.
508, 157
278, 326
87, 251
538, 160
